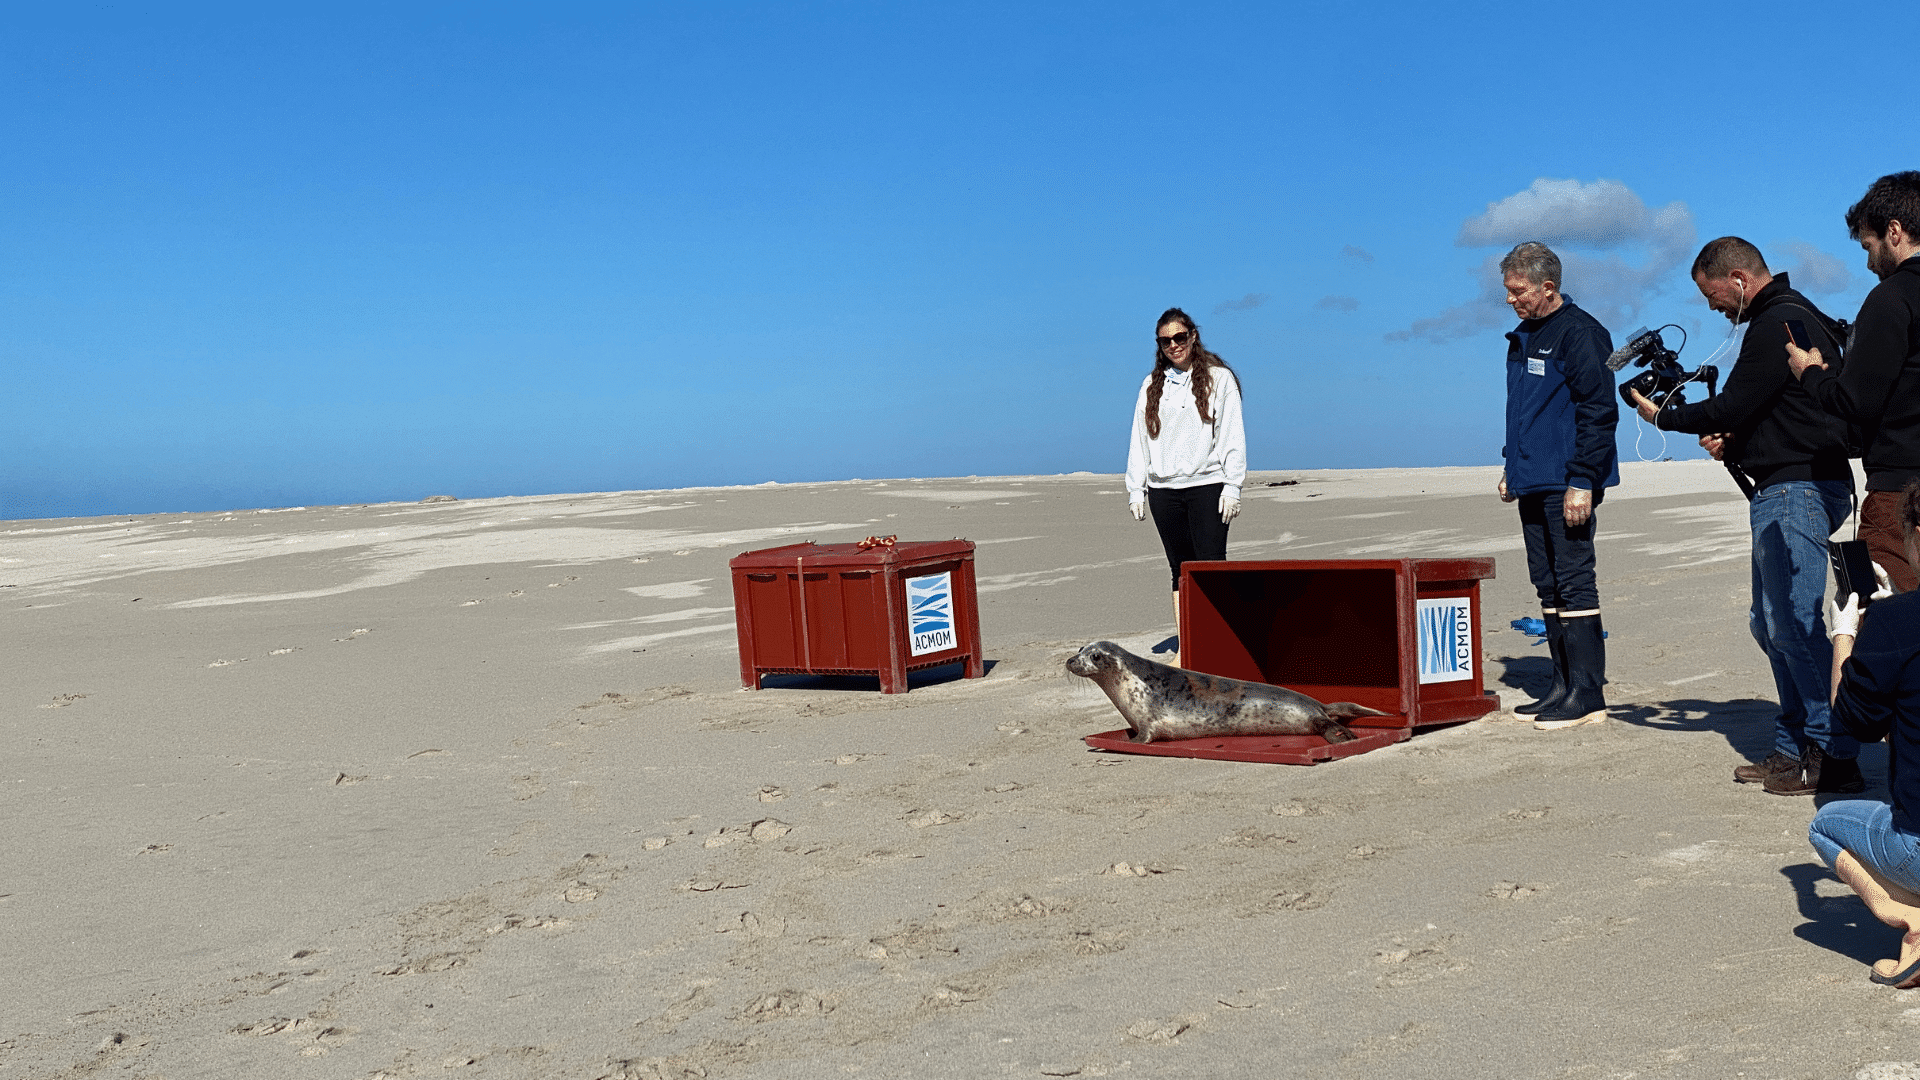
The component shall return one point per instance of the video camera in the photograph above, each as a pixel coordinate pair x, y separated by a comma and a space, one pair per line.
1661, 383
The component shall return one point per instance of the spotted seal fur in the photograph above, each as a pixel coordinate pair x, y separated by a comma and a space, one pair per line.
1161, 702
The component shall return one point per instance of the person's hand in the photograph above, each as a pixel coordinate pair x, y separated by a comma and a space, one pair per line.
1844, 621
1800, 359
1504, 496
1577, 506
1648, 410
1715, 446
1139, 510
1883, 585
1229, 509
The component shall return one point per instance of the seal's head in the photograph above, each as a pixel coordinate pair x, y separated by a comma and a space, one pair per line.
1094, 659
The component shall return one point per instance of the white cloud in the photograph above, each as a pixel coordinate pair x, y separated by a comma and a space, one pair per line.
1578, 221
1246, 303
1815, 271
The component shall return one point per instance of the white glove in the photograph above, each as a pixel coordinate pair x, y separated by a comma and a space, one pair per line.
1139, 510
1885, 588
1229, 509
1844, 620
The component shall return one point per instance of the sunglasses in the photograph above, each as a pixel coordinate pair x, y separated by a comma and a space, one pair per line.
1180, 338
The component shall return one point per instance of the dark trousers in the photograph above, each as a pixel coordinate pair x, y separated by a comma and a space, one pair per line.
1559, 559
1886, 540
1189, 524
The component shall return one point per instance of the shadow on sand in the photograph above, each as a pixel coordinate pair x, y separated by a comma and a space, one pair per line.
933, 676
1839, 924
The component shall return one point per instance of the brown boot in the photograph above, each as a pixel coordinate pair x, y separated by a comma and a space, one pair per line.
1803, 780
1758, 772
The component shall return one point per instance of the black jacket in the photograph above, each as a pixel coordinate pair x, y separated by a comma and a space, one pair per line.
1879, 696
1779, 430
1878, 387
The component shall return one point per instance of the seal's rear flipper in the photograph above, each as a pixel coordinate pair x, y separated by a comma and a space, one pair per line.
1347, 710
1336, 732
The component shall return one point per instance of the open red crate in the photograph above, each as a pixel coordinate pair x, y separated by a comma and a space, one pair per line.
1398, 635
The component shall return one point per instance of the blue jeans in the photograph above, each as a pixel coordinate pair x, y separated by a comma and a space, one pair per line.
1866, 829
1791, 521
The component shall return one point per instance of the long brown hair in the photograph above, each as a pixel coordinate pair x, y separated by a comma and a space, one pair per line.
1203, 362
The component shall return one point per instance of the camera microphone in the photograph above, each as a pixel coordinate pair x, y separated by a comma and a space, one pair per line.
1635, 342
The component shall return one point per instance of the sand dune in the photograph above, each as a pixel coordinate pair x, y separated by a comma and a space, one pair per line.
470, 789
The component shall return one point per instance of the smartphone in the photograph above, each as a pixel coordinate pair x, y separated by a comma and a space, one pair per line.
1797, 330
1852, 570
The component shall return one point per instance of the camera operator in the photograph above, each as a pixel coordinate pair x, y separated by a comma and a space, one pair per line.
1878, 388
1560, 458
1795, 457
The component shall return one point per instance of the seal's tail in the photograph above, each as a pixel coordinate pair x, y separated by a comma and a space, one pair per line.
1347, 710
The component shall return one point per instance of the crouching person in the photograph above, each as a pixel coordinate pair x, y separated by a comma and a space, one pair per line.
1874, 847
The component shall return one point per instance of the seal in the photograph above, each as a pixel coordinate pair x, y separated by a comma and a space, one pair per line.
1161, 702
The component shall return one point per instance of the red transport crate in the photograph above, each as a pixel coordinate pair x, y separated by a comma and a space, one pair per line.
1398, 635
879, 607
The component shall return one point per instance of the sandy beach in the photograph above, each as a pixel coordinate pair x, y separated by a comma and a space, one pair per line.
470, 788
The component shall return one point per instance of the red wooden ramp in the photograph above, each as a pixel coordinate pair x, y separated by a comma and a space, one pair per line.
1272, 749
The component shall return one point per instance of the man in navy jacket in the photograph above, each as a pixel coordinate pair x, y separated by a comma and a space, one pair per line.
1560, 458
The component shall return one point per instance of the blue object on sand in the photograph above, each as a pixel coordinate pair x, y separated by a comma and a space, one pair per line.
1530, 627
1537, 628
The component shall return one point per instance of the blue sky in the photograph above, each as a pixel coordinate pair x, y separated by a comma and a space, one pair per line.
259, 258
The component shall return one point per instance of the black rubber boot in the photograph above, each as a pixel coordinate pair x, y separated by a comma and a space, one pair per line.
1839, 776
1586, 673
1556, 648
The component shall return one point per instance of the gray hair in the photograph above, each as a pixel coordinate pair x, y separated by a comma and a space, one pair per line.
1534, 261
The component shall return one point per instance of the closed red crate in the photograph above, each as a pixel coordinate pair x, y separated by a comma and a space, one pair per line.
874, 608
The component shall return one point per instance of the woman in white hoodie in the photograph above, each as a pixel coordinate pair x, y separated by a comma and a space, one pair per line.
1188, 457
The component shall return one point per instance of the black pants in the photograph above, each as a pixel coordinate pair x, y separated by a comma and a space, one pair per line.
1559, 559
1189, 524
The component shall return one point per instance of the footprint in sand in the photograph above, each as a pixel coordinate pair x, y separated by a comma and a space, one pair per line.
1096, 942
770, 793
1510, 890
952, 997
785, 1004
526, 787
1140, 870
760, 832
852, 759
61, 701
1295, 901
1166, 1032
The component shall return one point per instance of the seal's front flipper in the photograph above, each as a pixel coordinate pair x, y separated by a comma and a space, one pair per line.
1347, 710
